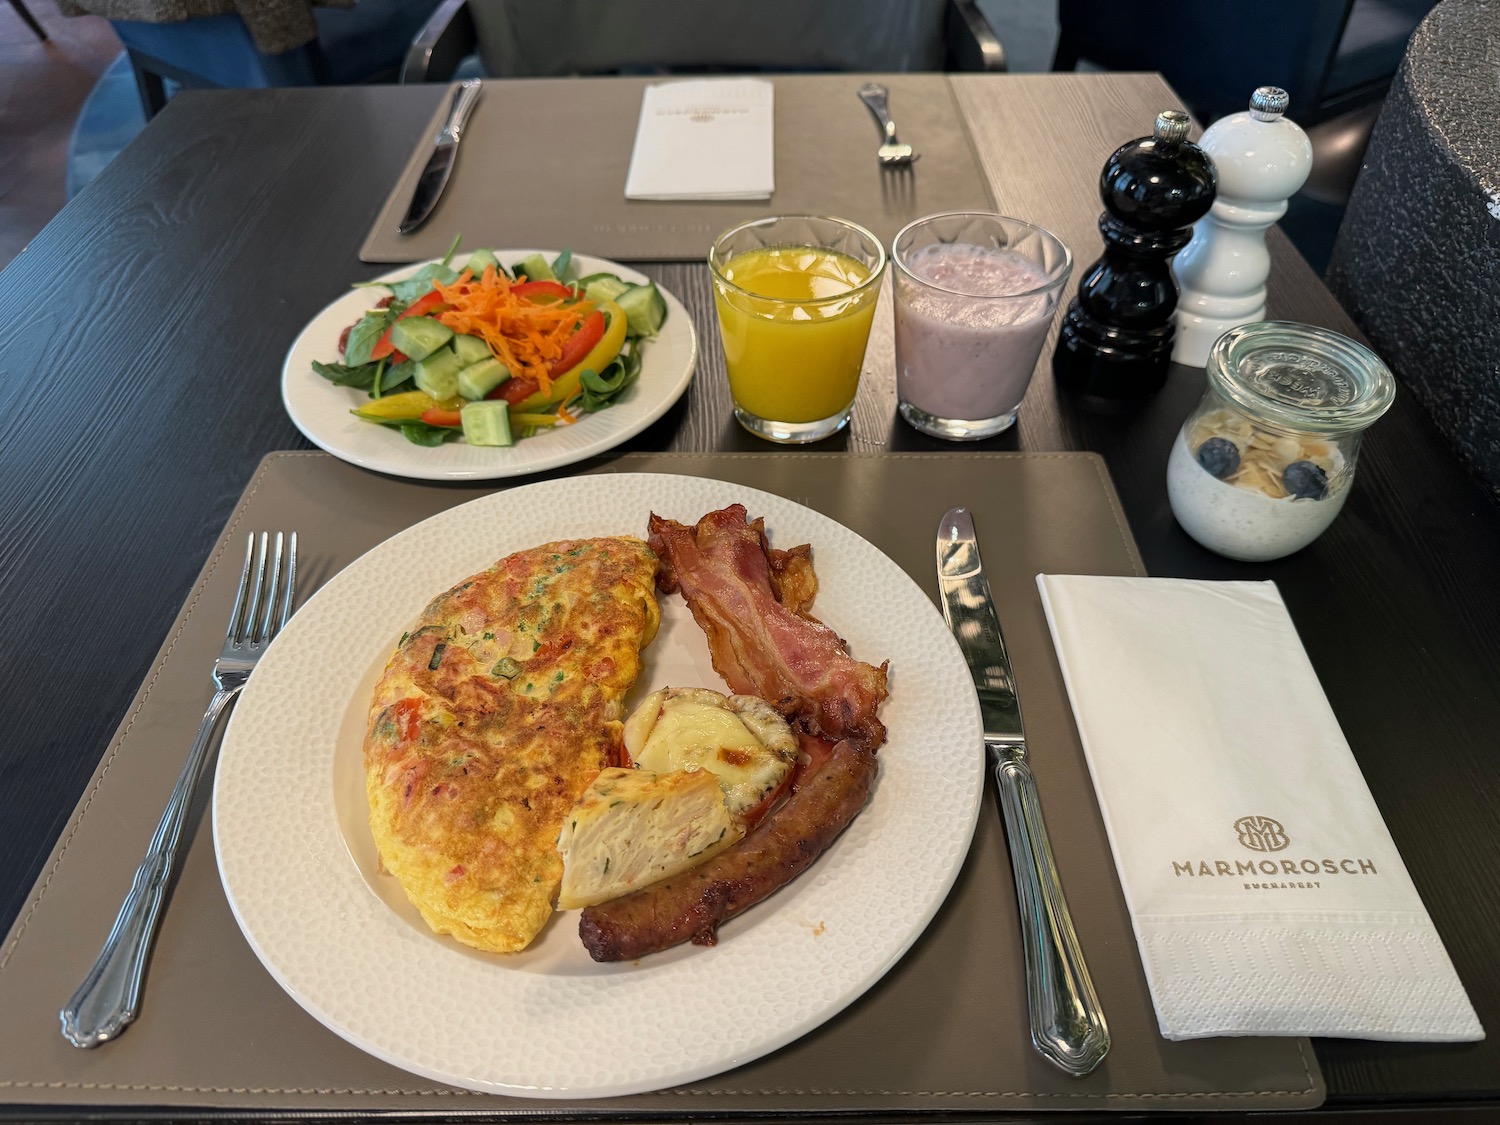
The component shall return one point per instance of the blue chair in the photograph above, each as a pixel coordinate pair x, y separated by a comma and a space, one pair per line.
545, 38
366, 43
1331, 56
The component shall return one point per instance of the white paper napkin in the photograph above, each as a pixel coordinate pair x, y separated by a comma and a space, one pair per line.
709, 139
1266, 893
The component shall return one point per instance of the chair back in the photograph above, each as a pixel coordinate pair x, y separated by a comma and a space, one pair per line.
541, 38
1329, 55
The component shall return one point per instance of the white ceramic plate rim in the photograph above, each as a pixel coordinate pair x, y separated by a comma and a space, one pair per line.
321, 410
293, 881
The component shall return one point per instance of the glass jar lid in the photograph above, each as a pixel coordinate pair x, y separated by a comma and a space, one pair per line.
1303, 377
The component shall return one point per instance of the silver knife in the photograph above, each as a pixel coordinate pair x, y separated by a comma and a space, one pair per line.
1067, 1024
434, 177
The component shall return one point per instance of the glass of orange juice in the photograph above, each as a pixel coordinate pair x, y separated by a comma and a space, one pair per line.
796, 295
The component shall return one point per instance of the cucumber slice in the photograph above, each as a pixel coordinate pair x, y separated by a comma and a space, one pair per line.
417, 337
487, 423
603, 287
438, 374
481, 258
471, 349
645, 310
535, 267
479, 379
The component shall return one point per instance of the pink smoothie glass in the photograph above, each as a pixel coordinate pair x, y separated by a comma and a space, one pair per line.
976, 294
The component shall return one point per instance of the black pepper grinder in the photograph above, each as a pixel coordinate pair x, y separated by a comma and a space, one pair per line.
1116, 339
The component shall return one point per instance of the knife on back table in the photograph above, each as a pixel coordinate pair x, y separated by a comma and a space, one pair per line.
1067, 1024
439, 167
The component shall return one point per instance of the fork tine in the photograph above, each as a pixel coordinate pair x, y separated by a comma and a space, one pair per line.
263, 630
256, 591
236, 614
291, 582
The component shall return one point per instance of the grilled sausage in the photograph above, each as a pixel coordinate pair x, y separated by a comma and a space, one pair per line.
690, 906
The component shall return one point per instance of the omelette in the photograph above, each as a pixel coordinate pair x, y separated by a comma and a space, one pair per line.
499, 707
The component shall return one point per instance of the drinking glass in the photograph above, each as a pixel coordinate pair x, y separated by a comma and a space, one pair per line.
795, 296
975, 296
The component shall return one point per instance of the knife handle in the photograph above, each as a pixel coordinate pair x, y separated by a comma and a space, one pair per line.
1067, 1023
463, 104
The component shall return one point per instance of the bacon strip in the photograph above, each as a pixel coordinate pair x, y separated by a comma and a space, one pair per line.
758, 644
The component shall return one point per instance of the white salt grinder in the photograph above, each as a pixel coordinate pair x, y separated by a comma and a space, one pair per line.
1262, 159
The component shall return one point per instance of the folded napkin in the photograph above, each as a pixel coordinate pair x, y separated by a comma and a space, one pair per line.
1266, 893
709, 139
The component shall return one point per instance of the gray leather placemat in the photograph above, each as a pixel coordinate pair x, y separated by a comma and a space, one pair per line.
945, 1031
528, 136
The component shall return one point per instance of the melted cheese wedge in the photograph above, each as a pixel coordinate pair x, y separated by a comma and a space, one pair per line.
633, 827
739, 739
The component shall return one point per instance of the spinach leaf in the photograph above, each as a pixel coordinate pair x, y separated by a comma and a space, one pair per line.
394, 376
420, 433
363, 337
602, 388
346, 376
421, 281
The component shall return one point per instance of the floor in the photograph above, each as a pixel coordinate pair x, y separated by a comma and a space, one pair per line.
42, 88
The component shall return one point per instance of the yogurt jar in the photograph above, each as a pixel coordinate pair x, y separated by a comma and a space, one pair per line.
1265, 462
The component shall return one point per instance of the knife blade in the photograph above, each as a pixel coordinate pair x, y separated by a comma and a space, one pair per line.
434, 177
1067, 1023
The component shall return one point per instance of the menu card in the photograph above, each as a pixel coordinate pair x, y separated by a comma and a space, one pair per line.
710, 139
1265, 891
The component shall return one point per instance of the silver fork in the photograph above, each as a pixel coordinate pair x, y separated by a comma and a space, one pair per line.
891, 153
109, 997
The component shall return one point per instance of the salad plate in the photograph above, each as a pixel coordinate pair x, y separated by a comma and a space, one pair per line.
300, 870
321, 409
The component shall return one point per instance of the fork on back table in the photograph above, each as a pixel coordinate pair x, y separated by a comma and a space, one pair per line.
109, 997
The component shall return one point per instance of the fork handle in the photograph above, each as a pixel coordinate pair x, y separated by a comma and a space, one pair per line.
109, 997
874, 95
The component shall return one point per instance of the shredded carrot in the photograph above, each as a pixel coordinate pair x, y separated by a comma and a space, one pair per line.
524, 336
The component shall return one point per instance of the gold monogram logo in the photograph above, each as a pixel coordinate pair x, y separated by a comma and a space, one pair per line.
1261, 833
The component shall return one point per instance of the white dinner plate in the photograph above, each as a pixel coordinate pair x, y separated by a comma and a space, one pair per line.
301, 874
320, 409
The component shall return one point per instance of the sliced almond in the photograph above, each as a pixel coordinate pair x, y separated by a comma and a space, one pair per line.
1287, 450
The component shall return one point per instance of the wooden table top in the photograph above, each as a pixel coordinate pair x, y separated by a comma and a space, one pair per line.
141, 353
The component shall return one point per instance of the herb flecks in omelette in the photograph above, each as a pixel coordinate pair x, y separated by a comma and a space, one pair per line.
492, 717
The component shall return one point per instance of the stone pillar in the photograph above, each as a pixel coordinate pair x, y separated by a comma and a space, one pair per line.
1417, 261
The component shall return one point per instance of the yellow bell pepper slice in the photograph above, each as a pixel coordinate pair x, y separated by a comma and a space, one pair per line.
408, 406
566, 385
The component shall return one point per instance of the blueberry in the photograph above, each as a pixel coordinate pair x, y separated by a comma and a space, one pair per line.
1219, 456
1304, 479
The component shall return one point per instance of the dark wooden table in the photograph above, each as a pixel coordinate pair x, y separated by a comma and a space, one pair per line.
140, 352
